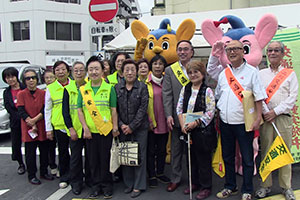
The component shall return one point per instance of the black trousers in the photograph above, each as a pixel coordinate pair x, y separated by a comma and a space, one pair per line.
156, 153
98, 149
63, 155
201, 159
52, 153
30, 157
16, 144
76, 164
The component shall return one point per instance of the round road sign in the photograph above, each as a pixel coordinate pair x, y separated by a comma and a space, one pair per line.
103, 10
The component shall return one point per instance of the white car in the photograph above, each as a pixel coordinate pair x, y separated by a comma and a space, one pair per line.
4, 116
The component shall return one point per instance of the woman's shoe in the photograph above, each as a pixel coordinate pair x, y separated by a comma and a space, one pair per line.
136, 193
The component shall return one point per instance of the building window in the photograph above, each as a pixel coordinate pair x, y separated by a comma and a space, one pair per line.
21, 30
18, 0
67, 1
63, 31
0, 34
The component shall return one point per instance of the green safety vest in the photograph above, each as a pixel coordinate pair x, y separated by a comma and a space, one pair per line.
73, 95
101, 99
56, 92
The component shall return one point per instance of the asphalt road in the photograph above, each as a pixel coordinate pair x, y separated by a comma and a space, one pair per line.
17, 187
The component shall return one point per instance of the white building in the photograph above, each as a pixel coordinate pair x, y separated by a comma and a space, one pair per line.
44, 31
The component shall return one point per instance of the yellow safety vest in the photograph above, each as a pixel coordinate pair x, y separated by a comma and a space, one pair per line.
113, 78
73, 95
102, 101
56, 92
150, 104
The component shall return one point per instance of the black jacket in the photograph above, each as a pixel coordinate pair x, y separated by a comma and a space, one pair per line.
132, 105
14, 117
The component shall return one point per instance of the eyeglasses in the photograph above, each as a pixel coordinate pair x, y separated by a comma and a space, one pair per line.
234, 49
275, 50
28, 78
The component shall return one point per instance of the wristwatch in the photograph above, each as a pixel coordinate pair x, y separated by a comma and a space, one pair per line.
115, 131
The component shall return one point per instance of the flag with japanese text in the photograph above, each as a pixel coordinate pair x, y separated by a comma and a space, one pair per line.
277, 156
291, 40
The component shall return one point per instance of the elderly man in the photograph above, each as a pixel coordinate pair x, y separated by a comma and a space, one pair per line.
175, 78
279, 103
238, 76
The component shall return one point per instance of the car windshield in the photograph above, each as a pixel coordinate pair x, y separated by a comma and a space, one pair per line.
2, 83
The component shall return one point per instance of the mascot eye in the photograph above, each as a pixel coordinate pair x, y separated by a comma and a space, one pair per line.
165, 45
246, 49
150, 45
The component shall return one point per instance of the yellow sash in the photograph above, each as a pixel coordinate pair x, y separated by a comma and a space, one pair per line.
234, 84
183, 80
103, 127
276, 82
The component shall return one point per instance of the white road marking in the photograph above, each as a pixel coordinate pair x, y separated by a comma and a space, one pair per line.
59, 193
3, 191
7, 150
103, 7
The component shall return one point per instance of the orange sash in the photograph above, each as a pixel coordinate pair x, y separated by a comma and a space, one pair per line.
276, 82
234, 84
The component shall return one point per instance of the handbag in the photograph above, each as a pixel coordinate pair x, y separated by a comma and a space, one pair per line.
114, 156
129, 153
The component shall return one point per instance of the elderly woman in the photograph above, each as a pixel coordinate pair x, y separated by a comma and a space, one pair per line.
97, 102
197, 97
10, 76
31, 109
133, 121
117, 61
158, 134
74, 128
54, 122
143, 69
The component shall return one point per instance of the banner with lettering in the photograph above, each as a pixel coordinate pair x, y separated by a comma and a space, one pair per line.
277, 156
291, 39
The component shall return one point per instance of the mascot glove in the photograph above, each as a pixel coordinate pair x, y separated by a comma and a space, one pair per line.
218, 49
140, 47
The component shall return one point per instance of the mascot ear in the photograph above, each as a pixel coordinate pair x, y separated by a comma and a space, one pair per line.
266, 29
210, 32
139, 29
186, 30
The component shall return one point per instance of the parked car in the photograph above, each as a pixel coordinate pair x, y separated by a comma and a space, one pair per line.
4, 116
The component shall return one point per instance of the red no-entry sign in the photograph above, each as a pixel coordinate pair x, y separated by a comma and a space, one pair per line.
103, 10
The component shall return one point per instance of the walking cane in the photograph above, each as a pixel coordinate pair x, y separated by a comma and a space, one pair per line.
189, 162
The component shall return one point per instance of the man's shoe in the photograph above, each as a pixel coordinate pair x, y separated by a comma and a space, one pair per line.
246, 196
35, 181
94, 194
186, 191
262, 192
127, 190
47, 177
107, 195
203, 194
21, 169
153, 182
162, 178
226, 193
135, 194
63, 185
289, 194
172, 187
76, 191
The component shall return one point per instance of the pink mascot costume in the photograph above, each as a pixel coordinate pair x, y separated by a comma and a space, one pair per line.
254, 43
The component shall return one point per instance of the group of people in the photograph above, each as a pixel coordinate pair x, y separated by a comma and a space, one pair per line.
144, 101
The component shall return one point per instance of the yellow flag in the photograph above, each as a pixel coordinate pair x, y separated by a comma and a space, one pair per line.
277, 156
217, 161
